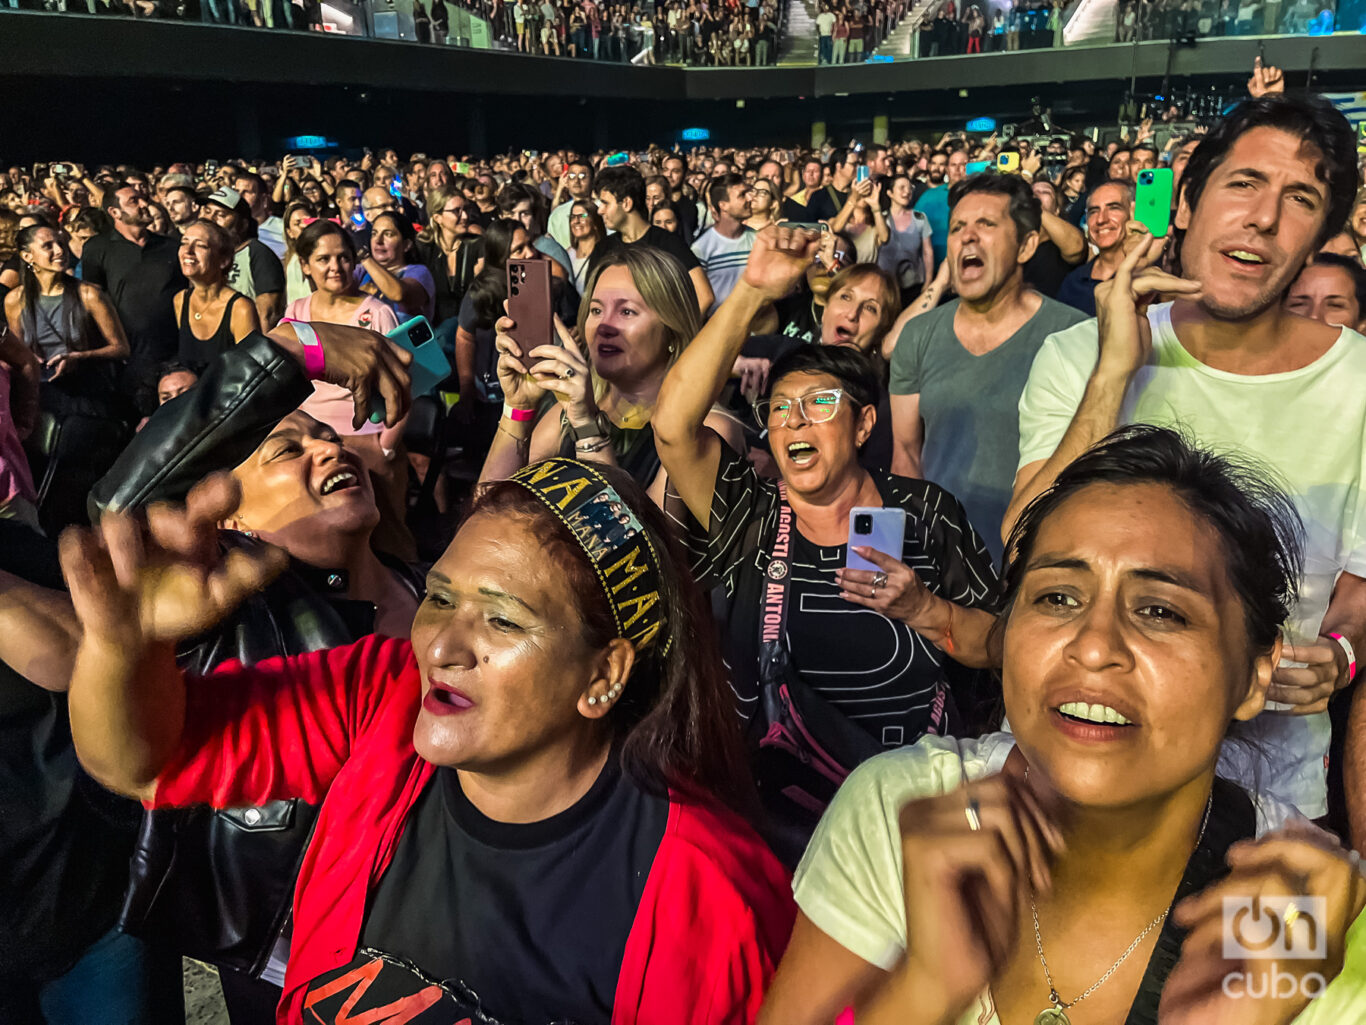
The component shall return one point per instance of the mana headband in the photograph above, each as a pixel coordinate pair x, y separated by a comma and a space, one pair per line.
613, 538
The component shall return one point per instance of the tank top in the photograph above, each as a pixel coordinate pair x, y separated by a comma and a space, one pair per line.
198, 353
48, 332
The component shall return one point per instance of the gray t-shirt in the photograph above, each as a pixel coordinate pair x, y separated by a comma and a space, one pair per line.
970, 406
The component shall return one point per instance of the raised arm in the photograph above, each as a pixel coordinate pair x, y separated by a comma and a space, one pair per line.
137, 594
1125, 342
690, 453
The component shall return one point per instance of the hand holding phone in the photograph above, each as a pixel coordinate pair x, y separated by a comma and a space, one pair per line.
878, 528
1153, 200
429, 367
530, 304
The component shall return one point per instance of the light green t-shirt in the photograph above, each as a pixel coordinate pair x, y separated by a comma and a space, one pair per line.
1307, 426
849, 882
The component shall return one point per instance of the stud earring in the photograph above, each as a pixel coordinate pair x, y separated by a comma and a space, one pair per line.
592, 700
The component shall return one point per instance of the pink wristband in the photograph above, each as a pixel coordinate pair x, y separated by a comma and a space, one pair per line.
518, 415
846, 1017
1351, 654
315, 361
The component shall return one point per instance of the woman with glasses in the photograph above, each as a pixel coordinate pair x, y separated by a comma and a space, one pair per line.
764, 205
586, 230
449, 248
873, 658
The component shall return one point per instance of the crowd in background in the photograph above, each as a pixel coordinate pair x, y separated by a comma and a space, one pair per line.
650, 661
1137, 20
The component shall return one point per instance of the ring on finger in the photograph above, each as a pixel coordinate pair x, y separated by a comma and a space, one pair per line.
568, 372
879, 579
974, 814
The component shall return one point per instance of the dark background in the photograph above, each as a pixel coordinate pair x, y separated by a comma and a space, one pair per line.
105, 89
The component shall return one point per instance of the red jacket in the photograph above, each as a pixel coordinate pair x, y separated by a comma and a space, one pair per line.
336, 726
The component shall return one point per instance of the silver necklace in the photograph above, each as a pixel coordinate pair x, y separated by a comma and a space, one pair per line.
1057, 1014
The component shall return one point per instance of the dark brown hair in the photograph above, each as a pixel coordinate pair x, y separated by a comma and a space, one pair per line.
676, 722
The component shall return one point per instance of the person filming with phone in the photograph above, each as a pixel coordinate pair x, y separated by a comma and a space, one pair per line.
878, 655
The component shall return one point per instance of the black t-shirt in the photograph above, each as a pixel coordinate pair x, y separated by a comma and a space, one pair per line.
520, 924
825, 203
1046, 269
654, 236
878, 672
64, 841
141, 281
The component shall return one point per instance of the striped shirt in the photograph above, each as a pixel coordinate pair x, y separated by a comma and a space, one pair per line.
723, 259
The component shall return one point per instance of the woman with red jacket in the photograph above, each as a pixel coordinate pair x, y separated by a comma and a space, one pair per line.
529, 810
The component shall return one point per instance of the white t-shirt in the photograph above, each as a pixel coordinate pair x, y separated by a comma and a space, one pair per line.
849, 882
825, 23
723, 259
1307, 426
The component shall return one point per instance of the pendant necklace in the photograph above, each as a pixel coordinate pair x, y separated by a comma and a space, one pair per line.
1057, 1014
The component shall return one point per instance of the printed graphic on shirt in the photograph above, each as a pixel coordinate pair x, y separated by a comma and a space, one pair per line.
376, 988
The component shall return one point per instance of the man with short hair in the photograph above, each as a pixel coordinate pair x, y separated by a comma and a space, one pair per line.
724, 247
620, 194
825, 28
1143, 157
375, 201
934, 204
1109, 208
825, 203
576, 184
270, 230
1240, 374
879, 160
255, 271
141, 272
183, 206
958, 370
349, 209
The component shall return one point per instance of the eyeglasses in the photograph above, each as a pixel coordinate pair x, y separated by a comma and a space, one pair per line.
579, 217
816, 407
577, 176
458, 211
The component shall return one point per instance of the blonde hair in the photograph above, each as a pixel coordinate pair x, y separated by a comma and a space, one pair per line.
665, 288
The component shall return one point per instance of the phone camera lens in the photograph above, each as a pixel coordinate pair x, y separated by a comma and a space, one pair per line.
863, 524
514, 290
1146, 177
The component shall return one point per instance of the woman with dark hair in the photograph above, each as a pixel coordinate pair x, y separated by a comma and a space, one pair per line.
878, 656
81, 224
530, 807
297, 216
586, 230
391, 270
1144, 596
73, 328
328, 257
211, 318
476, 353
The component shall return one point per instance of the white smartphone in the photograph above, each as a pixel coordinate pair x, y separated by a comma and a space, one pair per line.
883, 530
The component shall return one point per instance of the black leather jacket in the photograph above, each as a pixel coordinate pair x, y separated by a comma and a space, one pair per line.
218, 883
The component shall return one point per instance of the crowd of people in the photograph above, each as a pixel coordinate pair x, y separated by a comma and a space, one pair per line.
1138, 20
840, 584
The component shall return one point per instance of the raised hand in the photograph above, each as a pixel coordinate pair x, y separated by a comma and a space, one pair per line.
1122, 304
520, 389
134, 584
1307, 687
969, 858
779, 258
565, 372
1266, 78
1293, 864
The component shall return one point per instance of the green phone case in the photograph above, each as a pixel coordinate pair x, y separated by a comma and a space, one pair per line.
1153, 200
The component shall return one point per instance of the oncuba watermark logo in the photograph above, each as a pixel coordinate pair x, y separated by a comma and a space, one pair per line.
1275, 929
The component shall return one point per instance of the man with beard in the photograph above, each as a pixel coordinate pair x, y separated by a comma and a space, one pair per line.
946, 170
183, 206
724, 247
957, 371
689, 211
1232, 367
141, 272
1109, 209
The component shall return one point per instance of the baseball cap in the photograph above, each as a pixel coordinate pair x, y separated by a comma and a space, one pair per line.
225, 197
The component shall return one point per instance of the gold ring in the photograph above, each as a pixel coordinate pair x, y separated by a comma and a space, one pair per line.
972, 811
1291, 915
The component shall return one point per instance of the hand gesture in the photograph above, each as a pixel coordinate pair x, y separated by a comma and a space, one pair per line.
1266, 78
966, 888
363, 362
753, 374
779, 258
135, 585
1145, 130
520, 389
564, 371
1298, 862
1309, 686
1031, 163
1122, 306
57, 365
901, 596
